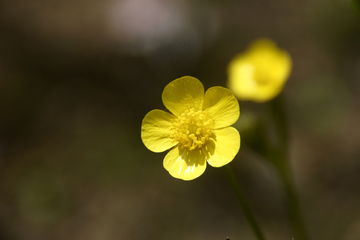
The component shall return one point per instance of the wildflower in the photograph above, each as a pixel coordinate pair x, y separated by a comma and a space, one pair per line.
259, 74
197, 130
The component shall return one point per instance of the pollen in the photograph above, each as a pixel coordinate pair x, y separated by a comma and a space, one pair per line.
192, 129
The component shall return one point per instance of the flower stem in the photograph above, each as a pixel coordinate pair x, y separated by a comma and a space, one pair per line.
279, 156
243, 203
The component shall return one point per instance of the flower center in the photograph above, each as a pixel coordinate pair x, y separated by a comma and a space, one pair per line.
255, 73
192, 129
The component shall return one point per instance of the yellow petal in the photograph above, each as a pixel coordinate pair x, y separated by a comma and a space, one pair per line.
265, 94
222, 106
183, 93
185, 164
155, 130
272, 64
226, 146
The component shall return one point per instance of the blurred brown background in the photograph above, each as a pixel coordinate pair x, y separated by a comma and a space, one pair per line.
77, 77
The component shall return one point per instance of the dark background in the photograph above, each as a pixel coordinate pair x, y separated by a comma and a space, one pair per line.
77, 77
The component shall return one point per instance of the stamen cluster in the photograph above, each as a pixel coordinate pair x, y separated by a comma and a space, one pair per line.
192, 129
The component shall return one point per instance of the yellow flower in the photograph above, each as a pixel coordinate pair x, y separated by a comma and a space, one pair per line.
197, 130
259, 74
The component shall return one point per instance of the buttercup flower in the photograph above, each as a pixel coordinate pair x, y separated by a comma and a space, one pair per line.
259, 74
197, 130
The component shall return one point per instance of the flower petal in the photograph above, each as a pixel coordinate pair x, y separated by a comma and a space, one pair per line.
185, 164
227, 145
183, 93
155, 130
222, 106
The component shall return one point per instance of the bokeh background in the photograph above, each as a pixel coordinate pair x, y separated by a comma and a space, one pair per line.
77, 77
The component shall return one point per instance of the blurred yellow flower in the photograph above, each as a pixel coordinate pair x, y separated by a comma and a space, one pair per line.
259, 74
197, 130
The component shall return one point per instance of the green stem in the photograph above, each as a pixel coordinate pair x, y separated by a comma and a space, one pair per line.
243, 203
294, 209
279, 156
